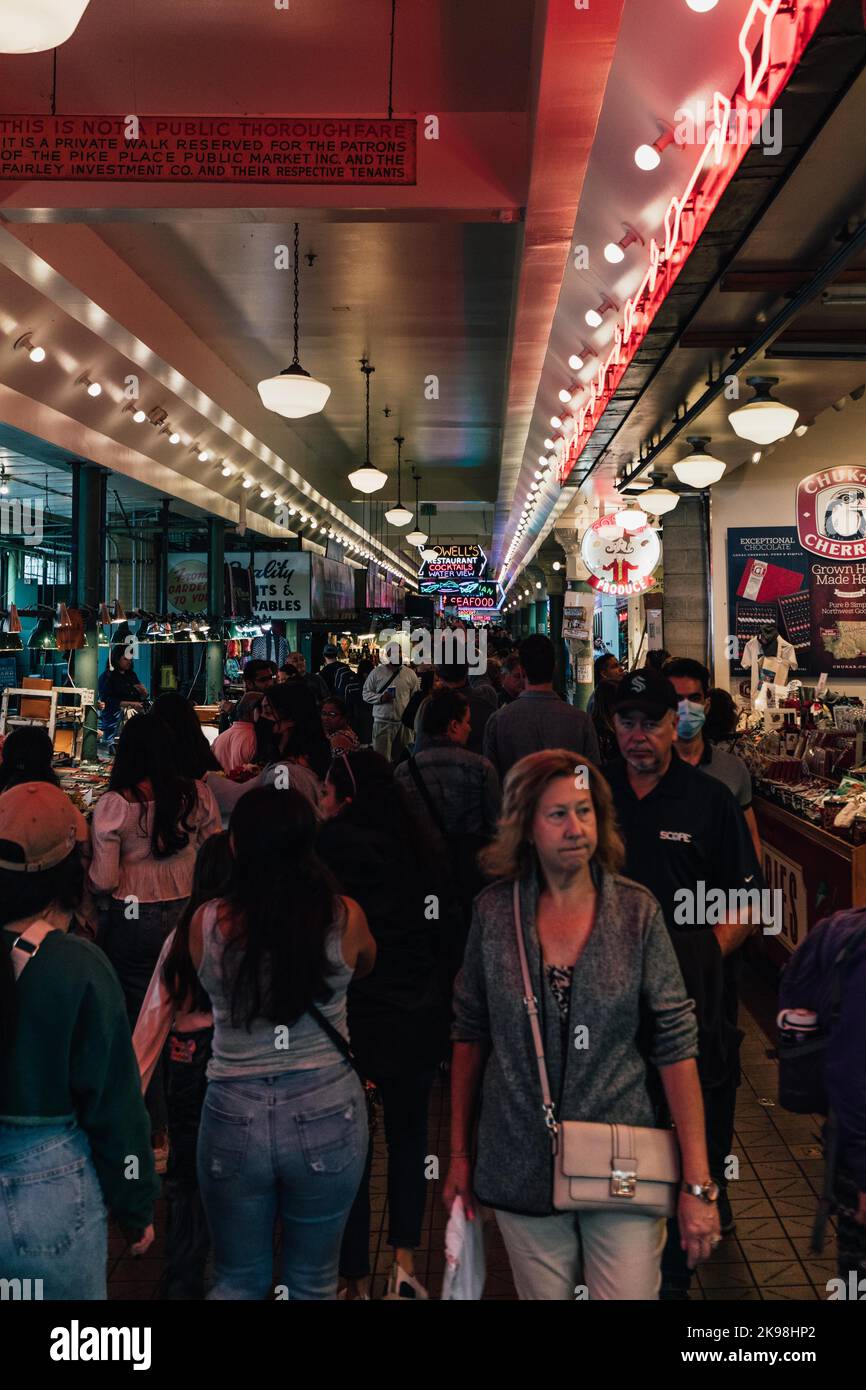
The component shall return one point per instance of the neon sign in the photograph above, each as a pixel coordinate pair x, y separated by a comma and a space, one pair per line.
772, 40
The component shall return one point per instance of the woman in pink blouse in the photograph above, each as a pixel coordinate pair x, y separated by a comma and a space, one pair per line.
146, 832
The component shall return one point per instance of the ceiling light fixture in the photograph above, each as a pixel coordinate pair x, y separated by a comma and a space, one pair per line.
702, 6
174, 437
700, 469
204, 456
549, 444
763, 420
93, 387
416, 537
615, 251
631, 517
33, 26
367, 478
294, 393
36, 354
139, 416
555, 422
658, 500
595, 317
649, 157
399, 515
248, 482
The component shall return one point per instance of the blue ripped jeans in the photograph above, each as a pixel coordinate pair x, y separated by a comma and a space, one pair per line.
291, 1146
53, 1224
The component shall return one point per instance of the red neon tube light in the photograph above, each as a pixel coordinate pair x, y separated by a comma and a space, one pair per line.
772, 40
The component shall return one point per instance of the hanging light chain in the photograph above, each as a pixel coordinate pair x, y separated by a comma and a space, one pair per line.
296, 362
399, 440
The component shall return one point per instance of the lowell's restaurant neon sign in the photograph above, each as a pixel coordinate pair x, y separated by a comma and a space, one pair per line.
772, 40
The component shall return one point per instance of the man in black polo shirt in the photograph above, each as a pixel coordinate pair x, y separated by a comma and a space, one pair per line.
685, 837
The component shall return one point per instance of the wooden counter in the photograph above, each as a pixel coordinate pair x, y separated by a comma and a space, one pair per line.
816, 872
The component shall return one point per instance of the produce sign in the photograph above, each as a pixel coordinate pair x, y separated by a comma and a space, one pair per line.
453, 562
620, 562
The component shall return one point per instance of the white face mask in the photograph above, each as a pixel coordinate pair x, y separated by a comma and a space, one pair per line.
691, 717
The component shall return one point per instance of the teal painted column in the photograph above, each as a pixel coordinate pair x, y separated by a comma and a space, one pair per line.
541, 615
582, 652
530, 617
216, 554
88, 545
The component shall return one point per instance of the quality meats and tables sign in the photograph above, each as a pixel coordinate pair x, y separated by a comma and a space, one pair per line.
325, 150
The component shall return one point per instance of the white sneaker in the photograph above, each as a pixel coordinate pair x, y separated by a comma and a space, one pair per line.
402, 1285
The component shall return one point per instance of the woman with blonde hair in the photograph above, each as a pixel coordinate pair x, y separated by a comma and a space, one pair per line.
602, 970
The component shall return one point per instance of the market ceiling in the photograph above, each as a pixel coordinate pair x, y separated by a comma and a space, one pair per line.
465, 276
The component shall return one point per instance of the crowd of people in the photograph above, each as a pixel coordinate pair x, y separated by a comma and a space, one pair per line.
372, 878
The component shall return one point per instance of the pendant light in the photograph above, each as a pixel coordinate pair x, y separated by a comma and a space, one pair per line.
294, 393
32, 26
700, 469
631, 517
399, 515
658, 499
416, 537
763, 420
429, 551
367, 479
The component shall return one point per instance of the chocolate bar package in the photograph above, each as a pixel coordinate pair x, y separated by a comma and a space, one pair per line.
762, 581
751, 617
797, 617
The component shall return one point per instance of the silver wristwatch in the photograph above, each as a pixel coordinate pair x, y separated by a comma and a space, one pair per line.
707, 1191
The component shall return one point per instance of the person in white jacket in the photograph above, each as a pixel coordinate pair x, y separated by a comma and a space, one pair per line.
389, 688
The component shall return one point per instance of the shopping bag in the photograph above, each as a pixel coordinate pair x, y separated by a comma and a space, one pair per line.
465, 1264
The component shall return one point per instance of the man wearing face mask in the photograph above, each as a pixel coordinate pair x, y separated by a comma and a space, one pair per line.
684, 837
691, 681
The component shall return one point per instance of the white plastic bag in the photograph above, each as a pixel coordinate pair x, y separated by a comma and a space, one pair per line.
465, 1264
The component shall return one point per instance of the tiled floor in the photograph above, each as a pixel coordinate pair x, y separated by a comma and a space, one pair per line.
773, 1200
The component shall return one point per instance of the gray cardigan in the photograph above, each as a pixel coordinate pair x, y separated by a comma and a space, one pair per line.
628, 962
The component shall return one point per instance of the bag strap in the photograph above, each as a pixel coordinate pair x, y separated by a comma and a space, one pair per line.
531, 1004
334, 1034
27, 943
415, 773
390, 681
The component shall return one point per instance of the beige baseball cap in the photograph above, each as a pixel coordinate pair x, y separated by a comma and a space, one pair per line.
43, 822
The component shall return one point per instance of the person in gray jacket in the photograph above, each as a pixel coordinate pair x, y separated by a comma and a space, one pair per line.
462, 786
389, 688
601, 961
538, 718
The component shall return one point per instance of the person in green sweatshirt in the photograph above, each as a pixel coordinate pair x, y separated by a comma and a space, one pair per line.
74, 1131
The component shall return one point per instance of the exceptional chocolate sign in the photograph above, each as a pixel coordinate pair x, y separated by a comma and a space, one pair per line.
323, 150
831, 513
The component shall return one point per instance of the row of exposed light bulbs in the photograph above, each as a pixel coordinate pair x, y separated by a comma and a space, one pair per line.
37, 354
647, 157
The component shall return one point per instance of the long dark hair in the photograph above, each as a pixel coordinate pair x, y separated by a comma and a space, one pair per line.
379, 803
296, 701
284, 901
212, 878
24, 895
26, 757
147, 751
178, 715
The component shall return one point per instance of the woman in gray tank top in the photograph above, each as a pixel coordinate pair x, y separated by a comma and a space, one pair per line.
284, 1126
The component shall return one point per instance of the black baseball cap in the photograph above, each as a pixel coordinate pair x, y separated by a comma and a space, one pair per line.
646, 690
331, 650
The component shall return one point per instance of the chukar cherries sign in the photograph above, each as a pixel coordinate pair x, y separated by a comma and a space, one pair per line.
831, 513
620, 562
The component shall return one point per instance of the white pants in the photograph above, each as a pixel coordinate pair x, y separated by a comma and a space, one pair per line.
388, 737
621, 1254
